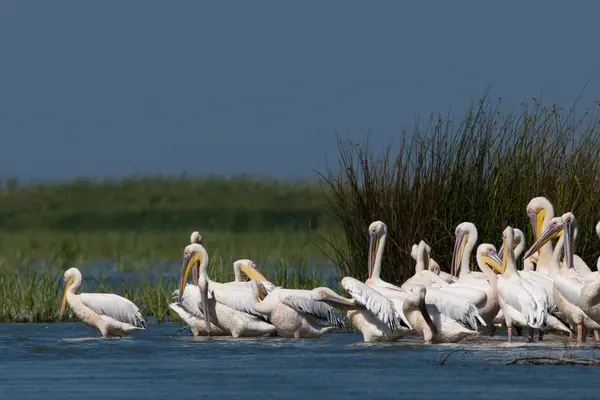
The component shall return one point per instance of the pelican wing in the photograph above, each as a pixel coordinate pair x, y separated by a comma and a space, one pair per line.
191, 300
114, 306
474, 295
569, 288
302, 301
380, 306
518, 298
240, 300
580, 265
454, 307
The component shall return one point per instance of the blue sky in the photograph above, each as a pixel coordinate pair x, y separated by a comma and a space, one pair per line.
116, 88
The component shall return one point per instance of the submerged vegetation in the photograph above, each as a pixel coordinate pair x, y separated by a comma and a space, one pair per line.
483, 168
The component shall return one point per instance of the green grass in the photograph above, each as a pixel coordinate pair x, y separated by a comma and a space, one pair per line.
483, 167
30, 289
139, 250
241, 204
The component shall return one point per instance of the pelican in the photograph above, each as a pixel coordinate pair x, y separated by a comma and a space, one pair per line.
213, 294
540, 212
187, 308
518, 305
466, 237
448, 304
422, 276
373, 314
429, 322
294, 313
568, 283
435, 267
590, 294
111, 314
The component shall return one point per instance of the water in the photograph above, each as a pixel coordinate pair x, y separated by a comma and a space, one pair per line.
69, 361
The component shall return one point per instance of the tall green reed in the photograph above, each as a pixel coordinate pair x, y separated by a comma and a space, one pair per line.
483, 168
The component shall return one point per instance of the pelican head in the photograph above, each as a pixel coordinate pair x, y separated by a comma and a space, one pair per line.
330, 297
377, 230
434, 267
72, 277
554, 231
464, 232
195, 237
488, 254
248, 267
518, 240
538, 209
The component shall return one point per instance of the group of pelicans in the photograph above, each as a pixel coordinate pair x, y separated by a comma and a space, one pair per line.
555, 291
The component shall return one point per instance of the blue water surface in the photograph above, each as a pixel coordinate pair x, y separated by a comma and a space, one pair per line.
70, 361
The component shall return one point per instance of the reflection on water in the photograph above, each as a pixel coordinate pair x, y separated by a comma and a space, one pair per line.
69, 361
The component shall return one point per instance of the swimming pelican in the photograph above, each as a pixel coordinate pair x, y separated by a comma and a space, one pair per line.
448, 304
294, 313
214, 294
567, 281
373, 314
188, 308
111, 314
516, 301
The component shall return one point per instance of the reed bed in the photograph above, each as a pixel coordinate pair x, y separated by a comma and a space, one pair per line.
483, 167
30, 296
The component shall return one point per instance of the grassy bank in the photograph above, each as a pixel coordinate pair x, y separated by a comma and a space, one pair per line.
483, 167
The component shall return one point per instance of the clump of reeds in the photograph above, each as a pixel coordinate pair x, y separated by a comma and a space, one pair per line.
484, 168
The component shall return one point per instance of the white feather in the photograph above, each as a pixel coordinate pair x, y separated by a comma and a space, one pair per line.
115, 307
302, 301
454, 307
380, 306
518, 298
569, 288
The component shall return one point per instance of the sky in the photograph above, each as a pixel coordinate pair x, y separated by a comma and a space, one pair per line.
129, 87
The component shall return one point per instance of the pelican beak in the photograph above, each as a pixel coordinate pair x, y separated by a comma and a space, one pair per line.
204, 295
262, 291
457, 253
428, 261
569, 231
63, 303
189, 260
252, 273
504, 255
339, 302
537, 219
494, 261
516, 242
373, 246
545, 237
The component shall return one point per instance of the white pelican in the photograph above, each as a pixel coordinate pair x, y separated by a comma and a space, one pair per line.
423, 275
540, 212
590, 294
466, 238
429, 322
448, 304
518, 305
294, 313
188, 309
373, 314
237, 323
567, 281
111, 314
434, 267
